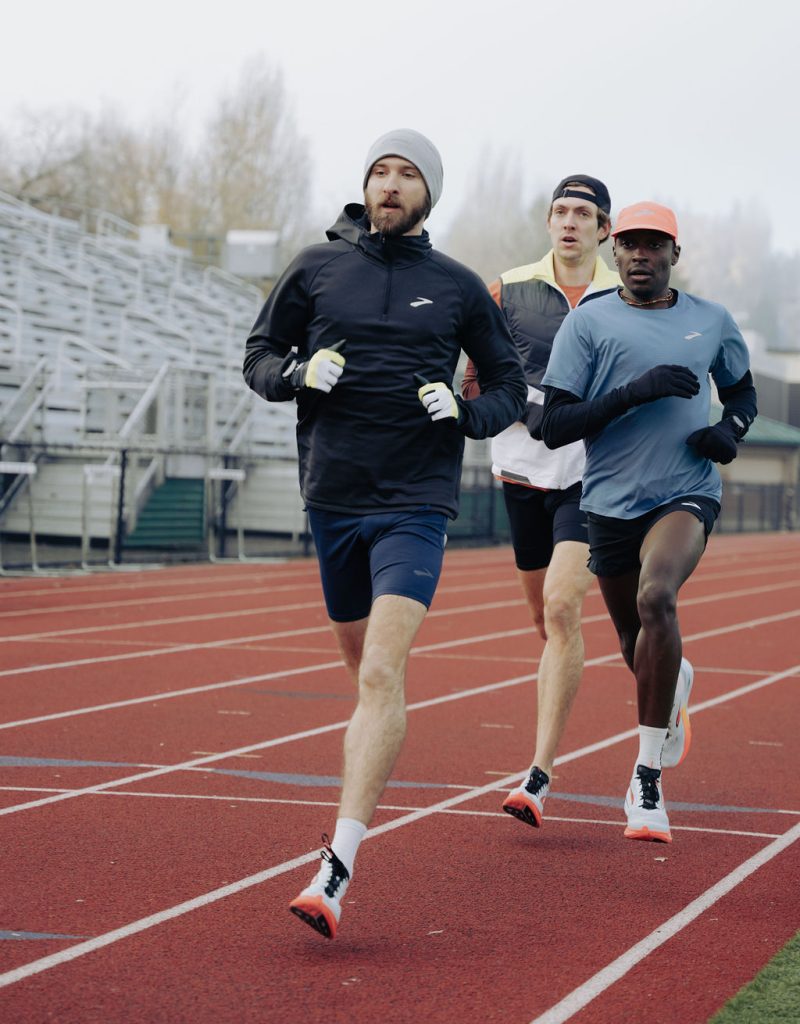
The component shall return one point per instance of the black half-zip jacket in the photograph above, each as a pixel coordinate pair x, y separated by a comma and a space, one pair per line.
403, 308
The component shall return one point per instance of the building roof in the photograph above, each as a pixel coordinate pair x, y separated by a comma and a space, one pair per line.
765, 431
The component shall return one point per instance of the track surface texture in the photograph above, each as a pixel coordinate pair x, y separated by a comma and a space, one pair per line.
170, 746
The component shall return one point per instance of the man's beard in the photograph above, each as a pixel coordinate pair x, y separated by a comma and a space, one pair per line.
391, 226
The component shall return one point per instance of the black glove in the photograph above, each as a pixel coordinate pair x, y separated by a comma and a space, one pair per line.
533, 420
717, 443
662, 382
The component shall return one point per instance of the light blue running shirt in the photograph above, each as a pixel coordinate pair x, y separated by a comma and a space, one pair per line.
641, 460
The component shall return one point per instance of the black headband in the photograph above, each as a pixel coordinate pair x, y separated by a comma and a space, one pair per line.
571, 193
566, 189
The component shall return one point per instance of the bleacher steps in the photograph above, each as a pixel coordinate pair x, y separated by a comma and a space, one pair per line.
172, 518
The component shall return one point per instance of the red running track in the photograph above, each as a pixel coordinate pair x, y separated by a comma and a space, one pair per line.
169, 746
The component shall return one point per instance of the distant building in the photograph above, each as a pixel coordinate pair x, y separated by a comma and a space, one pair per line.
777, 379
761, 488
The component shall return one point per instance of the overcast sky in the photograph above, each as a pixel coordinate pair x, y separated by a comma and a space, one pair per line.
692, 102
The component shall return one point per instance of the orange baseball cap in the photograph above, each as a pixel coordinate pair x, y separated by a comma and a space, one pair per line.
647, 216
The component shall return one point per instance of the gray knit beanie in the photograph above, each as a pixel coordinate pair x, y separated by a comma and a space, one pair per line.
414, 147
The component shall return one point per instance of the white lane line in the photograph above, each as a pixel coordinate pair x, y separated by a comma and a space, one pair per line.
176, 620
264, 590
158, 579
265, 573
83, 948
135, 927
256, 637
153, 652
261, 609
261, 583
170, 694
217, 798
326, 666
265, 744
233, 641
598, 983
89, 631
100, 941
432, 702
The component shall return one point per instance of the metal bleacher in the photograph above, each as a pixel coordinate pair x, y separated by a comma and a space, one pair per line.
120, 367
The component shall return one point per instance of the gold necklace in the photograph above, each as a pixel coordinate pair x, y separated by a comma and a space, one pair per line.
647, 302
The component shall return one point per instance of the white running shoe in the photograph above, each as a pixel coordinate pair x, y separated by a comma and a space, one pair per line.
679, 732
526, 802
644, 807
320, 904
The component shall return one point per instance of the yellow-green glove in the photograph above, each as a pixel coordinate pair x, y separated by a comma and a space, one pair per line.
439, 401
321, 371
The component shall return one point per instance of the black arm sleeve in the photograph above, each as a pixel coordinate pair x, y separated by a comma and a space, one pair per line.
568, 418
739, 404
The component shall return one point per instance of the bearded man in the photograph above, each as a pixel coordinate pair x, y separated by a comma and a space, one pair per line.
365, 332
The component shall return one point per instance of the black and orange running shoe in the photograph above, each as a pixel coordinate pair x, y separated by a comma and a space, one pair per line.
526, 802
320, 904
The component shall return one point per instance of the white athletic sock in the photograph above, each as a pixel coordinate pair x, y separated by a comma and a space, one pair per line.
650, 743
346, 840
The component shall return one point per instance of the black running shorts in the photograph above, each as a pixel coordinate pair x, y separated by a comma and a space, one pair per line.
540, 519
614, 544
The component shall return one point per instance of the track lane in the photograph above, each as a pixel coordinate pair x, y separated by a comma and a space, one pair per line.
262, 977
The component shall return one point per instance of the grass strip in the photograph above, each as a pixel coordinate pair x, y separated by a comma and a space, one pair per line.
772, 997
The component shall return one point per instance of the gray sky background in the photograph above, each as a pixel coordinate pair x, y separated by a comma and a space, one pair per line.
693, 103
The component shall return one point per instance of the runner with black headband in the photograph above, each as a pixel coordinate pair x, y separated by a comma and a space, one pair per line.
542, 488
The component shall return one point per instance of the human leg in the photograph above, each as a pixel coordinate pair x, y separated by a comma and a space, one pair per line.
561, 665
373, 740
350, 641
376, 731
532, 583
642, 598
531, 525
555, 597
644, 804
669, 552
403, 553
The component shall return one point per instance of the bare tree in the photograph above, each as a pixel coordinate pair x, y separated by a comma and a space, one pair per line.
252, 168
729, 258
496, 227
41, 154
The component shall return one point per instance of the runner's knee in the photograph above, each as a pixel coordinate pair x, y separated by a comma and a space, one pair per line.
562, 614
656, 602
380, 678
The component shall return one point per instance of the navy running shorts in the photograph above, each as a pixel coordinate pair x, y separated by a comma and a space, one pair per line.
540, 519
362, 557
615, 544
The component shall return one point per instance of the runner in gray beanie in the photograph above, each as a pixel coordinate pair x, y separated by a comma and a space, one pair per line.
412, 146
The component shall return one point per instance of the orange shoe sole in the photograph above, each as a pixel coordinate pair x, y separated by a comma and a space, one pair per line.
687, 733
649, 836
516, 805
313, 911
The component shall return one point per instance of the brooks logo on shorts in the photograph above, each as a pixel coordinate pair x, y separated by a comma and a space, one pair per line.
692, 504
424, 572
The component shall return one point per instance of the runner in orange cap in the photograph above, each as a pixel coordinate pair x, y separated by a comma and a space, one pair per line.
629, 373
